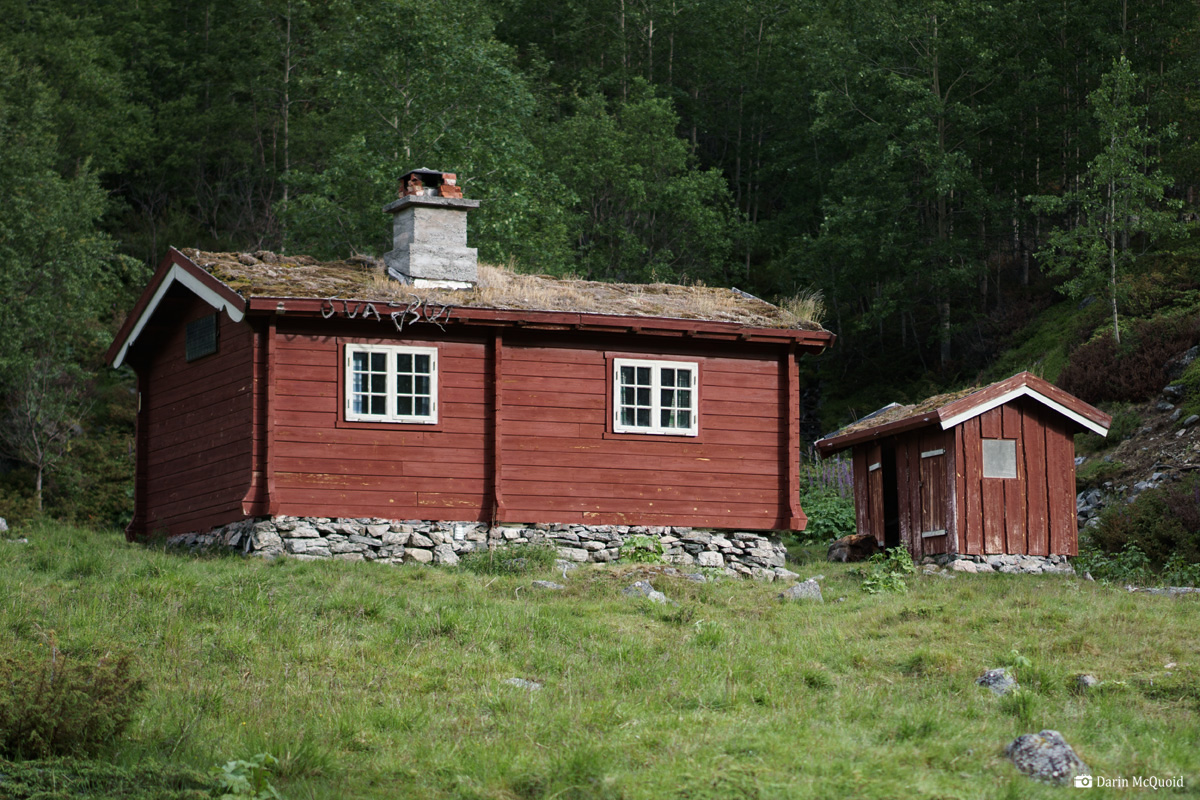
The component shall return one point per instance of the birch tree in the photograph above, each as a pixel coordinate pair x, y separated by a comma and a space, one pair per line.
1120, 209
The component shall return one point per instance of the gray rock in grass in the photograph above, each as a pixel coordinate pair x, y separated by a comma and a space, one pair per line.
644, 589
1000, 681
805, 590
1046, 756
521, 683
1086, 681
549, 585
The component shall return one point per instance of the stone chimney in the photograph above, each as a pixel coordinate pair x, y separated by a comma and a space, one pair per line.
429, 235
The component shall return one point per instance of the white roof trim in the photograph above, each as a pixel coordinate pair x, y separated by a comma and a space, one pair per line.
196, 286
1024, 391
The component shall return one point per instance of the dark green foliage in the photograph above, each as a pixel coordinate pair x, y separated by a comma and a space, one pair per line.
1161, 523
250, 778
642, 549
517, 559
1095, 472
885, 572
1133, 370
57, 704
830, 516
67, 779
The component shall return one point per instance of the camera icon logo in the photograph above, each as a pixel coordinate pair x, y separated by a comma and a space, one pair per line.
1083, 781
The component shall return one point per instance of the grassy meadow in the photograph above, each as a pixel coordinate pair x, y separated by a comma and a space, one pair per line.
372, 681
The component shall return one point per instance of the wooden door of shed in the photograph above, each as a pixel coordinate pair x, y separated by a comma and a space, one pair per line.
924, 462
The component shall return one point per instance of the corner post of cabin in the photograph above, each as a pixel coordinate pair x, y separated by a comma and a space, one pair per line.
137, 525
498, 509
272, 350
797, 520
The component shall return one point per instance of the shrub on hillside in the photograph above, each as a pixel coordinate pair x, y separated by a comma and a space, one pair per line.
54, 704
1133, 371
1162, 523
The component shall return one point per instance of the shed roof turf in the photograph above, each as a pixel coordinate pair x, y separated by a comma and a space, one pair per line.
952, 408
265, 274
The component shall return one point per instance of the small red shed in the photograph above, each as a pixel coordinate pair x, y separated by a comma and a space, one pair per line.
979, 472
424, 386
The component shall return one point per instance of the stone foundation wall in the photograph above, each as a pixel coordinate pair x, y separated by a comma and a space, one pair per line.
1032, 565
308, 538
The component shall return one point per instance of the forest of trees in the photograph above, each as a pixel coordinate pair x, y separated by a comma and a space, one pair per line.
937, 169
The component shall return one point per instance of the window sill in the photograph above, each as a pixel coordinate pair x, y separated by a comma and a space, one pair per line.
382, 425
653, 437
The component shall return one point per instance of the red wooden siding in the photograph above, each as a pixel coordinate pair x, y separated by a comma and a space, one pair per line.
195, 437
971, 484
550, 455
1033, 513
1060, 472
1033, 433
324, 467
560, 460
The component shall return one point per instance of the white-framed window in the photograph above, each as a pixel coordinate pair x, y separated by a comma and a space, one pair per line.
391, 383
655, 397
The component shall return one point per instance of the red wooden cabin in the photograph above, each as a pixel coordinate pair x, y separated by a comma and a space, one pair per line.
476, 396
987, 472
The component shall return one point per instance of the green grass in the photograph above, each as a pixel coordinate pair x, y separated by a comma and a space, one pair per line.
1041, 347
375, 681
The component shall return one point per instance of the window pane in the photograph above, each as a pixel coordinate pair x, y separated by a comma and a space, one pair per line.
683, 419
422, 384
627, 416
683, 398
422, 406
667, 397
421, 363
404, 384
378, 383
667, 418
683, 377
667, 377
404, 406
378, 362
360, 362
377, 405
404, 362
999, 458
628, 394
643, 397
643, 376
626, 375
643, 417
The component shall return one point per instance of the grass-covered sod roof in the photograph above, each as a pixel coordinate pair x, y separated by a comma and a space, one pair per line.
264, 274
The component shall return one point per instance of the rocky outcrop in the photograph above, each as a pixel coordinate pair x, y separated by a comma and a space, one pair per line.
1046, 756
737, 554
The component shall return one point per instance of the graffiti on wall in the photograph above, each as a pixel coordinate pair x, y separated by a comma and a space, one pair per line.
417, 309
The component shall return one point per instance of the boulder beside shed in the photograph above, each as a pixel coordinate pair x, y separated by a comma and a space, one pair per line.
988, 471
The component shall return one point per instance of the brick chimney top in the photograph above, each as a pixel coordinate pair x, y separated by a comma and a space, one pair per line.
430, 183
